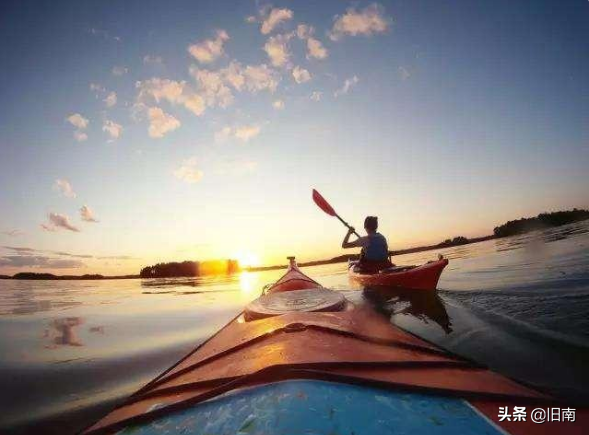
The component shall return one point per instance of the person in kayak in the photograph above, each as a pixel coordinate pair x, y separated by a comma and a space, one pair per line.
375, 250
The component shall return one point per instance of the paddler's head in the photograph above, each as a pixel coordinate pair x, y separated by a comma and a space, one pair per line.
371, 224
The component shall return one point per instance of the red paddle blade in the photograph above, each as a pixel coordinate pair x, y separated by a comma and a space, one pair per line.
322, 203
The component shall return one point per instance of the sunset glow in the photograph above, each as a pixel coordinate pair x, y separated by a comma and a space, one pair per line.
196, 132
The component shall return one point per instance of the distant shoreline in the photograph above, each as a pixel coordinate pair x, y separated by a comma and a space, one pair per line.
510, 228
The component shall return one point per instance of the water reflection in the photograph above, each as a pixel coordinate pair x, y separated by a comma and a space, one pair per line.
64, 332
424, 306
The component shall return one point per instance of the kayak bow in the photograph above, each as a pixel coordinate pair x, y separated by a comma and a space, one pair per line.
320, 364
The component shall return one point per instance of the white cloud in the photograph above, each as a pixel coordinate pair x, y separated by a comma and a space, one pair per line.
188, 171
315, 49
242, 133
246, 132
275, 17
304, 31
209, 50
119, 70
233, 74
171, 91
301, 75
348, 84
278, 104
316, 96
260, 77
86, 214
160, 89
160, 122
113, 129
152, 60
277, 49
195, 103
111, 99
212, 87
403, 73
78, 121
366, 22
57, 221
13, 233
64, 187
80, 136
96, 88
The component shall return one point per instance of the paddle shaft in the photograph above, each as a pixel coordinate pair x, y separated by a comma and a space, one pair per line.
347, 225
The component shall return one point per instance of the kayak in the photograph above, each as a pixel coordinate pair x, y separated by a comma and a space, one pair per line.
302, 359
424, 277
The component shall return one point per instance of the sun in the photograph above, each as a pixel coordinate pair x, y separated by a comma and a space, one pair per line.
247, 259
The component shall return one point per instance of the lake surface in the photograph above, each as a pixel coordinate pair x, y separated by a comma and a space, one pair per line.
69, 350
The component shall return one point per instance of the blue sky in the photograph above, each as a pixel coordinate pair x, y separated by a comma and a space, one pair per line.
193, 130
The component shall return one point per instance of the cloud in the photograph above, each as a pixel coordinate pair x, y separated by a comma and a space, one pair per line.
104, 34
119, 70
21, 250
260, 77
242, 133
403, 73
111, 99
152, 60
188, 171
113, 129
80, 136
174, 92
30, 251
348, 84
160, 122
86, 214
212, 87
315, 49
57, 221
301, 75
13, 233
209, 50
366, 22
97, 88
278, 104
316, 96
276, 48
64, 187
39, 261
246, 132
304, 31
78, 121
275, 17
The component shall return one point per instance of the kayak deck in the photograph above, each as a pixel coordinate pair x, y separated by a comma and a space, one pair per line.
245, 376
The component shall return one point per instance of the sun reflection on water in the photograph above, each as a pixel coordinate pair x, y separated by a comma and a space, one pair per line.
248, 283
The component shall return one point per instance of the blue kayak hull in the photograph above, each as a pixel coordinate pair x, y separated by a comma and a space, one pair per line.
322, 408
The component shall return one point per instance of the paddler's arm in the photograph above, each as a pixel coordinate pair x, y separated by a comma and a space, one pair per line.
359, 243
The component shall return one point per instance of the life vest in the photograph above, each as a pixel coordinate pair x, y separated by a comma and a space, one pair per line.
377, 249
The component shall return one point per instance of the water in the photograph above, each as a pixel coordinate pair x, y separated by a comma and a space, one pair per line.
71, 349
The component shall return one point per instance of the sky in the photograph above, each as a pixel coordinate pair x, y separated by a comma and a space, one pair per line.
136, 132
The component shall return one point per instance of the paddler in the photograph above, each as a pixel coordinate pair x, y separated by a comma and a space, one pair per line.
375, 250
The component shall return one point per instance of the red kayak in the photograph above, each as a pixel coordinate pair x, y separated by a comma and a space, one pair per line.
424, 277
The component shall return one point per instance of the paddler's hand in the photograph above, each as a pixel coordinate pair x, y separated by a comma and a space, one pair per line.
351, 230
